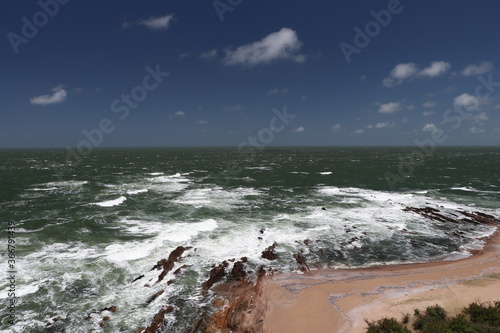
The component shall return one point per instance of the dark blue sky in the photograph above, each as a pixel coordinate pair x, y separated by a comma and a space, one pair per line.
419, 73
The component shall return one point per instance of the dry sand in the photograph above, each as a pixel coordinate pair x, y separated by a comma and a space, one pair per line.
339, 300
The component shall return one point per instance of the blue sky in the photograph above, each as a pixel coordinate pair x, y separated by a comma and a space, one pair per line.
350, 72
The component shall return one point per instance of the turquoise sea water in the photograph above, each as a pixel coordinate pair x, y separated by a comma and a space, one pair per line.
83, 234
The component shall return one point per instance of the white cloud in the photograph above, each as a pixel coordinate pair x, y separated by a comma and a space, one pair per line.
429, 127
283, 44
483, 116
476, 130
336, 127
153, 23
360, 131
209, 55
277, 91
299, 129
201, 122
58, 96
400, 73
497, 107
468, 101
430, 104
411, 70
427, 113
389, 107
484, 67
384, 125
410, 107
369, 126
305, 97
436, 68
180, 114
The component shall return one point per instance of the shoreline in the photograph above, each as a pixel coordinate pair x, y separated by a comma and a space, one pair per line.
339, 300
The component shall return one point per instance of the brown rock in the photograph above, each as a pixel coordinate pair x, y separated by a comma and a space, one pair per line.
168, 264
153, 297
270, 253
238, 271
216, 274
159, 320
301, 260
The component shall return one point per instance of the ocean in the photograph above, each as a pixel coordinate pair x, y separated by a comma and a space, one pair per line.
83, 229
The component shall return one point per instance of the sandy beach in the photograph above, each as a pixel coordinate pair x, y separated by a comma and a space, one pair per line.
340, 300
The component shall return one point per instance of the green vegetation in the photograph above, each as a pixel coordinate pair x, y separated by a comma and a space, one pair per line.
476, 318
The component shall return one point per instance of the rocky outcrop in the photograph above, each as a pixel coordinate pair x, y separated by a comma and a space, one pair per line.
158, 322
453, 216
301, 260
270, 252
168, 264
216, 274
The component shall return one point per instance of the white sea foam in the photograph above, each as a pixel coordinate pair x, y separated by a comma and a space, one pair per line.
178, 233
43, 189
326, 173
216, 197
132, 192
111, 203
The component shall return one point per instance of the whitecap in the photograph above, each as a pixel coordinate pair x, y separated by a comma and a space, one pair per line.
111, 203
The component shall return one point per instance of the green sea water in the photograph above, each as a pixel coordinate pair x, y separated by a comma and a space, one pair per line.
86, 227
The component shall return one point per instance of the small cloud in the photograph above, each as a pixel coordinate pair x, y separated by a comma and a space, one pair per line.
363, 78
186, 55
399, 73
369, 126
468, 101
305, 97
153, 23
429, 127
410, 71
470, 70
384, 125
277, 91
233, 108
359, 131
283, 44
427, 113
430, 104
58, 96
410, 107
483, 116
180, 114
389, 107
476, 130
209, 55
299, 129
436, 68
202, 122
336, 128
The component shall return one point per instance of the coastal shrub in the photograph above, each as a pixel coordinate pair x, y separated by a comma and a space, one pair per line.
386, 325
475, 318
484, 314
432, 320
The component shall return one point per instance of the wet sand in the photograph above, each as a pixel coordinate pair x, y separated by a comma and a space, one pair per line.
339, 300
